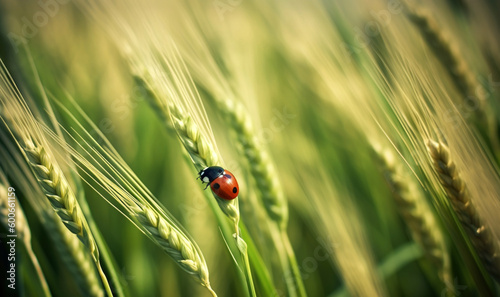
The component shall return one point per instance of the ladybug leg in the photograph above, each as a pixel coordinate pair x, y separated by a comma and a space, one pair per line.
206, 186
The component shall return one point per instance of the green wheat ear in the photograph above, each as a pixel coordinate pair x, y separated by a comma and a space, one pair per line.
63, 201
449, 56
459, 71
479, 233
173, 242
417, 214
69, 248
261, 167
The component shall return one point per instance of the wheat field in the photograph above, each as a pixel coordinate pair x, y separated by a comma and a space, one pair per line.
364, 136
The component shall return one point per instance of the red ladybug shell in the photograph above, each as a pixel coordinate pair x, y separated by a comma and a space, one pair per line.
225, 186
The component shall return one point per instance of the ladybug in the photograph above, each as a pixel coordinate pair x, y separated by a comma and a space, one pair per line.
222, 182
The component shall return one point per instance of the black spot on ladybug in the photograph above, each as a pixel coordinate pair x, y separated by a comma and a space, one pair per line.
216, 186
227, 175
235, 190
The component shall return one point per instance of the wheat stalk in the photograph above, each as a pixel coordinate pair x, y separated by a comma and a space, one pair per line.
479, 233
416, 213
63, 201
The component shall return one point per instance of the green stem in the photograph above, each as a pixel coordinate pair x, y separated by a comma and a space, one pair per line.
293, 265
38, 270
226, 231
104, 279
105, 255
242, 246
260, 270
109, 264
212, 292
107, 258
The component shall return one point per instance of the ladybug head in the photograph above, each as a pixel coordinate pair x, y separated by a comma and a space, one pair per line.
208, 174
